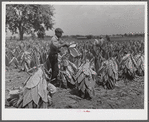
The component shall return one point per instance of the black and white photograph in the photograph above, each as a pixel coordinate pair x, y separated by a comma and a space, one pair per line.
74, 60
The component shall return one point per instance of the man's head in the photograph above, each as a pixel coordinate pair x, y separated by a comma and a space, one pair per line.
58, 32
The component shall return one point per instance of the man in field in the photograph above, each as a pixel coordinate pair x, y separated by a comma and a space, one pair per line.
56, 44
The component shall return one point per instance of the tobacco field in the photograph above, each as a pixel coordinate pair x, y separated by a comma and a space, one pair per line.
93, 75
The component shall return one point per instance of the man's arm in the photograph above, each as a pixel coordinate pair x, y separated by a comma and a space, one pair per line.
64, 44
59, 44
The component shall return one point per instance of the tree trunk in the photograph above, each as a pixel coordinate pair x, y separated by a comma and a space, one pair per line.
21, 35
21, 32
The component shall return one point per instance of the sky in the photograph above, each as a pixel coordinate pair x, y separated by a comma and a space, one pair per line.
98, 19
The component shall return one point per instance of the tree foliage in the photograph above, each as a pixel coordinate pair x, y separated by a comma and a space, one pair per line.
24, 17
41, 32
89, 36
108, 38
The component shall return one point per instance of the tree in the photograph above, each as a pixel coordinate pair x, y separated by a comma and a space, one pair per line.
108, 38
41, 32
89, 36
33, 36
24, 17
125, 34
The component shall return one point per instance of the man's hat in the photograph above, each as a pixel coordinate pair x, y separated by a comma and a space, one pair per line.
59, 30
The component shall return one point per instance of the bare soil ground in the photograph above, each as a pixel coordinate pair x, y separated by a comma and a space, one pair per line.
123, 96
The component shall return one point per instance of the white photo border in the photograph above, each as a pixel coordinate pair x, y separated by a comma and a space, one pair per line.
75, 114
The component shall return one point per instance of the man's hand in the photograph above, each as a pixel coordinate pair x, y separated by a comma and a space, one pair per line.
67, 44
64, 45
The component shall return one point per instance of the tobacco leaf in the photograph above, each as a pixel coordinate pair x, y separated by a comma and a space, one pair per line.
74, 52
7, 60
27, 97
42, 89
82, 86
90, 83
78, 73
35, 96
80, 78
35, 79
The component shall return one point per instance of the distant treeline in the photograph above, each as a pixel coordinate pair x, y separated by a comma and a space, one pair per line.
85, 36
92, 36
103, 36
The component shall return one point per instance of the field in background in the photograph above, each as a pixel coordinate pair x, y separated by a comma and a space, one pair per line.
119, 39
127, 38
